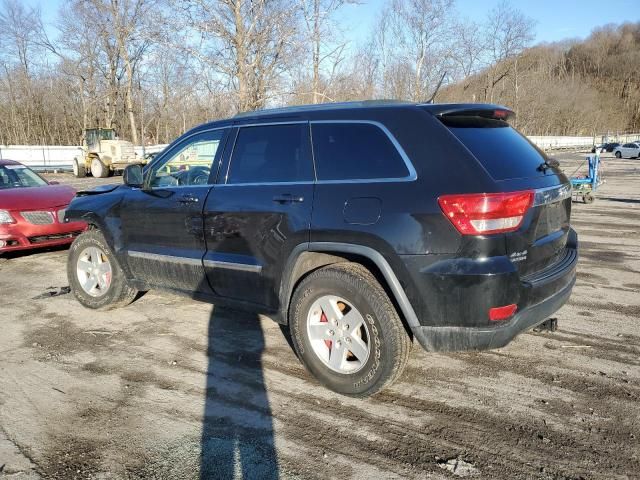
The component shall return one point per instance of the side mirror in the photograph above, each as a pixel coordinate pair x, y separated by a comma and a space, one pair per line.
132, 176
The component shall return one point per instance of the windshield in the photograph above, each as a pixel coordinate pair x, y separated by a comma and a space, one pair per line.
106, 134
16, 176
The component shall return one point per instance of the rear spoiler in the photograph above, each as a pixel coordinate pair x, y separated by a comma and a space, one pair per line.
494, 112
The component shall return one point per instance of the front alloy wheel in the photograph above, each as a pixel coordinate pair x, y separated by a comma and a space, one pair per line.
94, 271
94, 275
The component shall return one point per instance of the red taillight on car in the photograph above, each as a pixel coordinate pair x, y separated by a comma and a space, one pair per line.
502, 313
485, 213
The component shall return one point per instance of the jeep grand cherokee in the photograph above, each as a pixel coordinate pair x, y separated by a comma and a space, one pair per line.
362, 226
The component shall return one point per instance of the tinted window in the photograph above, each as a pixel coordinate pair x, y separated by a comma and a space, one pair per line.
503, 151
347, 151
273, 153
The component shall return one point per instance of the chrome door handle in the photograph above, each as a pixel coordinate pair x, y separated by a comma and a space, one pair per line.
288, 198
186, 199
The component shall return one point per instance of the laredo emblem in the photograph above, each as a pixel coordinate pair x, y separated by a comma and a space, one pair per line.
518, 256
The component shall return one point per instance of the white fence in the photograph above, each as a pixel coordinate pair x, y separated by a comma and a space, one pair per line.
54, 157
61, 158
550, 143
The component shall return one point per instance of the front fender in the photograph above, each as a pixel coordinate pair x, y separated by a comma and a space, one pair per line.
102, 211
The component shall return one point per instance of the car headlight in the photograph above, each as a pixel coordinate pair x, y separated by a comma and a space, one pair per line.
5, 217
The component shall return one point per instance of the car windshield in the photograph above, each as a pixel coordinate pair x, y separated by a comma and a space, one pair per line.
16, 176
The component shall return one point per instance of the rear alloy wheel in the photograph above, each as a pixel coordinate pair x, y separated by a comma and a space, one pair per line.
346, 331
618, 155
79, 171
95, 277
338, 334
99, 169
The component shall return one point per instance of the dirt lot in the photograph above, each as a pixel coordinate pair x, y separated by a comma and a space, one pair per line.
172, 388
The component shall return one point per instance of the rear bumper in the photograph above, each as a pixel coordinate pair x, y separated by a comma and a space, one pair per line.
460, 299
477, 338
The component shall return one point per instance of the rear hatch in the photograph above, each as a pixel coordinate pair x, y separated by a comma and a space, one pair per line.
517, 165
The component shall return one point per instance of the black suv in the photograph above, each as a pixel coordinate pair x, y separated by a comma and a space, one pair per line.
362, 226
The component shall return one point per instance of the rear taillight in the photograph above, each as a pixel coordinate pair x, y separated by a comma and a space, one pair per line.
485, 213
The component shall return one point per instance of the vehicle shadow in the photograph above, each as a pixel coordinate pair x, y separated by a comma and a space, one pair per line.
237, 433
9, 255
621, 200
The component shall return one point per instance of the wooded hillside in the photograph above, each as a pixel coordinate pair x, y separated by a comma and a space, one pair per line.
570, 88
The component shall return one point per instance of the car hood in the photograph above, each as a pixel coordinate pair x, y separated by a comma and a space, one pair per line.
36, 198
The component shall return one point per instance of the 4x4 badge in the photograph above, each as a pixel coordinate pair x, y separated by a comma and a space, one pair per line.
518, 256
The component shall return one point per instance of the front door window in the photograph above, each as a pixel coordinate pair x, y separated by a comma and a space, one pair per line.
190, 165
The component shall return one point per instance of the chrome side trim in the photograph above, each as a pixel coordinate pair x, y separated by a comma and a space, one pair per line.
413, 175
545, 196
165, 258
307, 182
241, 267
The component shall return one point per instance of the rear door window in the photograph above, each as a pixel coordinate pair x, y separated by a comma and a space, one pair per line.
271, 154
502, 150
354, 151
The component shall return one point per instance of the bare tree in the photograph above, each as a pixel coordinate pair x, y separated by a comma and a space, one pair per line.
323, 36
508, 32
421, 32
122, 63
247, 42
470, 48
126, 20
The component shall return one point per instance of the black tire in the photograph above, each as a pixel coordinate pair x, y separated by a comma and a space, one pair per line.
389, 343
618, 155
79, 170
99, 169
118, 294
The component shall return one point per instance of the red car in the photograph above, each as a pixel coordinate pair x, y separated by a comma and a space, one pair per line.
32, 210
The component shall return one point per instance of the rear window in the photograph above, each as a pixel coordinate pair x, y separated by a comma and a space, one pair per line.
503, 151
355, 151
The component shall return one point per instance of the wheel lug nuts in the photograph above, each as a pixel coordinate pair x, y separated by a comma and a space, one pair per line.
348, 340
331, 332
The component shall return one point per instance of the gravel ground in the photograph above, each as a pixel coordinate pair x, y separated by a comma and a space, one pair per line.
172, 388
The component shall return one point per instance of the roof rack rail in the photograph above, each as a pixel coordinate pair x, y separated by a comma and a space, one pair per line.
322, 106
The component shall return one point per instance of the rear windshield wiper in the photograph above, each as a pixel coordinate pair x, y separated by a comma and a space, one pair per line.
550, 163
